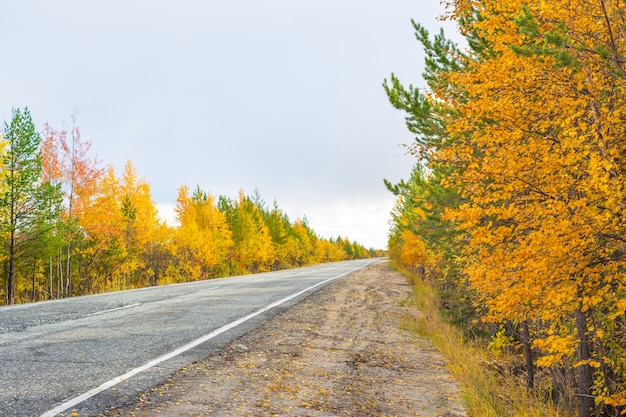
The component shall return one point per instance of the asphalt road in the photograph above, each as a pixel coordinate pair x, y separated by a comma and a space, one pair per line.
86, 354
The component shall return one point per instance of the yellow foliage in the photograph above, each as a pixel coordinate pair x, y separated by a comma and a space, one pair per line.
202, 242
413, 252
535, 121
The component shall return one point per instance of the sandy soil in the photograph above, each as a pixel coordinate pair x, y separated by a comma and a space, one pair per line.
341, 352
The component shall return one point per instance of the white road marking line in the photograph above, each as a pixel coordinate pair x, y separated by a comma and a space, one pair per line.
113, 309
87, 395
209, 289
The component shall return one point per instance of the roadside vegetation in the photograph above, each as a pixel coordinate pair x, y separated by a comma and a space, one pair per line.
489, 380
69, 226
514, 211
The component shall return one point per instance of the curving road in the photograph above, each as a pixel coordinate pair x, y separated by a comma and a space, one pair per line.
85, 354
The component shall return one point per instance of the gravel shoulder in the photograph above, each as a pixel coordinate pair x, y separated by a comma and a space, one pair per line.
340, 352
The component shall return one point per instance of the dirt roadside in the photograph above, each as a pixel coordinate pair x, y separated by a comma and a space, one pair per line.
341, 352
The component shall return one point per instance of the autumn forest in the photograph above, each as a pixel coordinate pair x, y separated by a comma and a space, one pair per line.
516, 207
71, 226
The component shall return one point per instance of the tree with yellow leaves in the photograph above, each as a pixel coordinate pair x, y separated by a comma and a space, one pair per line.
140, 223
103, 247
66, 162
202, 242
527, 127
253, 250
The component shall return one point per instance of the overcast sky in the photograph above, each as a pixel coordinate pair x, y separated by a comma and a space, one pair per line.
282, 96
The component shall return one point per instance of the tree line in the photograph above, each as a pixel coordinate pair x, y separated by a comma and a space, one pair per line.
516, 206
70, 226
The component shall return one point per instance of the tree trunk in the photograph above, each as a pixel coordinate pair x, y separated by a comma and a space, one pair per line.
60, 274
50, 288
34, 298
68, 270
528, 355
585, 376
11, 278
5, 273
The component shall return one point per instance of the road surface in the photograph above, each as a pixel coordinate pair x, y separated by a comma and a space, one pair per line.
85, 354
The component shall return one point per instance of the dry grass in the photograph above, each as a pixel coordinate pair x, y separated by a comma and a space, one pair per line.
488, 389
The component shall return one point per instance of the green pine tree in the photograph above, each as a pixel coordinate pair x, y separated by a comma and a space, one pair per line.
28, 206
